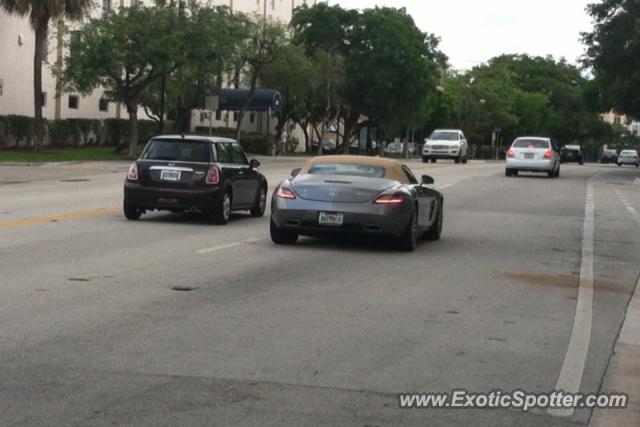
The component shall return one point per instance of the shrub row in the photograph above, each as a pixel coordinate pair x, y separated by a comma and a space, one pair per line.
255, 143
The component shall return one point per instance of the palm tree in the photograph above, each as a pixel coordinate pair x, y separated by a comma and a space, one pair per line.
40, 13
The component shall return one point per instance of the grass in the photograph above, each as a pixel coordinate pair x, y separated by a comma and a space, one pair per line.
63, 155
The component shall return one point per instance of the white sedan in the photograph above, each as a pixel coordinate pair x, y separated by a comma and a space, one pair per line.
533, 154
628, 157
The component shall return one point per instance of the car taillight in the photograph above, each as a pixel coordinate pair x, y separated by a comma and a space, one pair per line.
510, 153
389, 200
133, 172
548, 154
213, 176
285, 193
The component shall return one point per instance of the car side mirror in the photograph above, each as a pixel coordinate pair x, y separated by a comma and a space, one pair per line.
295, 172
427, 180
254, 163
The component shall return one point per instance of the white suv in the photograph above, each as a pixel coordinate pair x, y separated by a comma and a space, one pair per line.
445, 144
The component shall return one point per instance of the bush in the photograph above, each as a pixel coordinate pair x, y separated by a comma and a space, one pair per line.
59, 132
116, 131
146, 130
223, 132
84, 131
20, 128
257, 143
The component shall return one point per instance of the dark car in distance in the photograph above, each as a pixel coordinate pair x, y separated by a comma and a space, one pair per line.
180, 173
572, 153
609, 156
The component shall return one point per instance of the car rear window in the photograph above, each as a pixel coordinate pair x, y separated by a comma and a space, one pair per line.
348, 169
633, 153
178, 150
444, 136
530, 143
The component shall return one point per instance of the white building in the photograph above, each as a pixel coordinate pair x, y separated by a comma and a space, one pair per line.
16, 66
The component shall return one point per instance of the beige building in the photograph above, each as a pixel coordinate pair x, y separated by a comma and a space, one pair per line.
16, 66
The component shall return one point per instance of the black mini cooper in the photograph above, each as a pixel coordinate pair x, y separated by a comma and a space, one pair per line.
180, 173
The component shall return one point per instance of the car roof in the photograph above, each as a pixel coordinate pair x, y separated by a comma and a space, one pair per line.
447, 130
534, 137
393, 167
195, 138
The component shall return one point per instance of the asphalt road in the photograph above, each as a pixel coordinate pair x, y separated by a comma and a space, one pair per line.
172, 321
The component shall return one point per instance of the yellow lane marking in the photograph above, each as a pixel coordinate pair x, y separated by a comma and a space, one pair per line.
70, 215
58, 217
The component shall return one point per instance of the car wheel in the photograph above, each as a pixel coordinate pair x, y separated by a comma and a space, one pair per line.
456, 160
557, 174
433, 160
619, 164
281, 237
261, 203
637, 164
222, 212
464, 160
425, 159
409, 239
131, 212
434, 232
508, 172
551, 174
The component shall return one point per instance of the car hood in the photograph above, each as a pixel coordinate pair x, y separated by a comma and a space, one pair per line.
340, 188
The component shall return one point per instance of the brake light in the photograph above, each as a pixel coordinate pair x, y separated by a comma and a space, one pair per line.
548, 154
285, 193
389, 200
213, 176
133, 171
510, 153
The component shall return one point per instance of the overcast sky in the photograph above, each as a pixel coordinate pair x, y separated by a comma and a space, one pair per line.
474, 31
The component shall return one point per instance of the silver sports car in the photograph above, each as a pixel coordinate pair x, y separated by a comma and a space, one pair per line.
334, 195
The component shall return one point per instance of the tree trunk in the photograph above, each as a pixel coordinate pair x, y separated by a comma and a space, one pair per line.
350, 124
252, 89
132, 109
38, 125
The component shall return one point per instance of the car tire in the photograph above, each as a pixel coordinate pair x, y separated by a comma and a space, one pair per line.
131, 212
456, 160
408, 241
425, 159
508, 172
434, 232
280, 236
551, 174
261, 203
222, 211
557, 174
637, 164
464, 160
619, 164
433, 160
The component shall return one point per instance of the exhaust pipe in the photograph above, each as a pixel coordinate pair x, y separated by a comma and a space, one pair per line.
193, 209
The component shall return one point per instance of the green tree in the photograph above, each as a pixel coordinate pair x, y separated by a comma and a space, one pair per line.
41, 13
390, 65
126, 51
613, 53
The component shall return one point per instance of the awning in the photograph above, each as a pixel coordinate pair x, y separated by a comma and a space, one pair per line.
261, 100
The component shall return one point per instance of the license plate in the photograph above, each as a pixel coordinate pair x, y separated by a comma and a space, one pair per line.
528, 155
169, 175
330, 218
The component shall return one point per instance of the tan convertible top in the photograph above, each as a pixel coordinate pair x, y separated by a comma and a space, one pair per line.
393, 168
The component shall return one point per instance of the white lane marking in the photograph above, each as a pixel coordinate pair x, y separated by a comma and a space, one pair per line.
250, 241
573, 367
635, 214
631, 325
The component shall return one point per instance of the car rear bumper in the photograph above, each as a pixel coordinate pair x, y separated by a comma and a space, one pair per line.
302, 217
530, 165
170, 199
628, 162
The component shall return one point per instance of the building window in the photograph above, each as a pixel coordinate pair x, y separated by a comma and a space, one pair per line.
218, 114
103, 105
106, 5
236, 116
44, 99
73, 102
134, 3
616, 120
74, 38
252, 117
